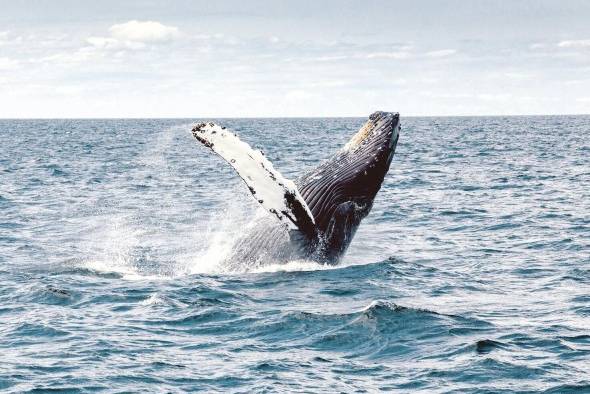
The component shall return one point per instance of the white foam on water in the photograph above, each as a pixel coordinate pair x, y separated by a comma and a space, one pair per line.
223, 228
126, 246
118, 240
117, 244
205, 251
139, 246
146, 244
110, 250
154, 299
295, 266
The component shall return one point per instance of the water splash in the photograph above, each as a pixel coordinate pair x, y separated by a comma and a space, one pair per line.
157, 239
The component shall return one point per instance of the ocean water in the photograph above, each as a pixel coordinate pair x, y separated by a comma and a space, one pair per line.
471, 274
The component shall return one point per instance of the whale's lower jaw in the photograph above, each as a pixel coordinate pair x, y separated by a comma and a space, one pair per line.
316, 217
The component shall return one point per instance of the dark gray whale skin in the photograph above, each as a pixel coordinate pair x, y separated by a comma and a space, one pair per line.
339, 193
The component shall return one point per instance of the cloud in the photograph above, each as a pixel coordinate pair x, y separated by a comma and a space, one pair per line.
405, 53
389, 55
8, 64
517, 75
446, 95
328, 84
441, 53
6, 38
494, 97
297, 95
146, 32
69, 58
537, 45
134, 35
470, 96
327, 58
577, 81
574, 44
109, 43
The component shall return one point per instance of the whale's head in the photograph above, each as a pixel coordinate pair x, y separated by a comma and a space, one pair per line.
340, 192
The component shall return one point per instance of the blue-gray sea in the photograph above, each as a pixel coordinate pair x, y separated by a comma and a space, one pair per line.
471, 273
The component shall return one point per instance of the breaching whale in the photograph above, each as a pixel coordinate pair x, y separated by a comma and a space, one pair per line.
315, 217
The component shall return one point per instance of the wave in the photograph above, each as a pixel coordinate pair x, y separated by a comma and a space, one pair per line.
382, 329
160, 241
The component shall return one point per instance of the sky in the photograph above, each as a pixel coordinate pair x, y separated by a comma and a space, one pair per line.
150, 58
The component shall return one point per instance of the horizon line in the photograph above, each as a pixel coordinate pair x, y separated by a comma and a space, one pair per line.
283, 117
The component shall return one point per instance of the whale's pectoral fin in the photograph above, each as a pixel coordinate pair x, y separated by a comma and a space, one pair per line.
276, 194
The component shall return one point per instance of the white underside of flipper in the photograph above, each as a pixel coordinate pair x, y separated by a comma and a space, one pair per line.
278, 195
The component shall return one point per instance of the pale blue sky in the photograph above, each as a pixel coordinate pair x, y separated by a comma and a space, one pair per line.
154, 58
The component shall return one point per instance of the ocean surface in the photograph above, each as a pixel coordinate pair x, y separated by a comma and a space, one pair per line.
471, 273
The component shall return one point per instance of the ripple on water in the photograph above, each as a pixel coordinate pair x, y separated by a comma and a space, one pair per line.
112, 233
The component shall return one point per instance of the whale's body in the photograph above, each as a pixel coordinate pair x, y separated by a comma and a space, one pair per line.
316, 216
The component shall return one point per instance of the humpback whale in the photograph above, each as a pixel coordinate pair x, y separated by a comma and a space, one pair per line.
316, 216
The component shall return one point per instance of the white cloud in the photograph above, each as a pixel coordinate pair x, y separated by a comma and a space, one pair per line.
494, 97
133, 35
471, 96
441, 53
109, 43
69, 90
8, 64
577, 81
298, 95
4, 37
148, 31
445, 95
328, 58
537, 45
574, 44
583, 100
69, 58
517, 75
327, 84
389, 55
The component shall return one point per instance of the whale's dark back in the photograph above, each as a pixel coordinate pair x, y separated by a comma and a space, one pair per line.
340, 192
